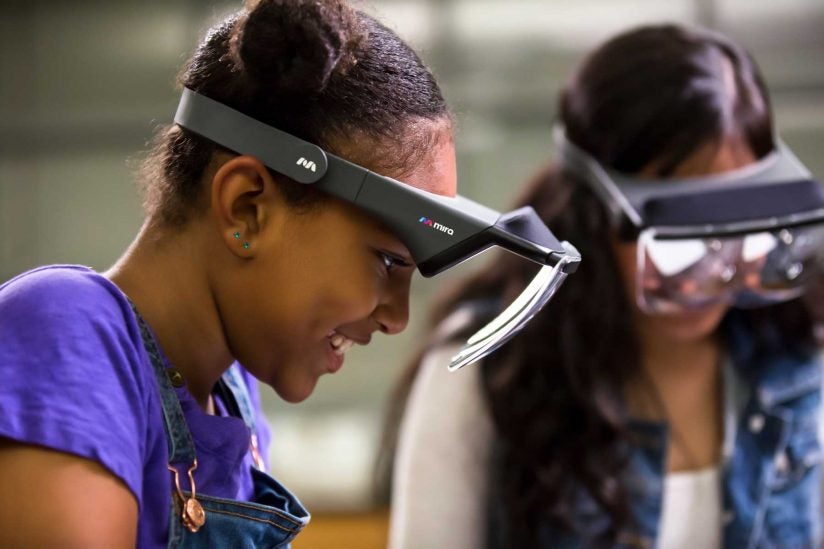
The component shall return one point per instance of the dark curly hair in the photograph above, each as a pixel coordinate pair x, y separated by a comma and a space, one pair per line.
654, 94
318, 69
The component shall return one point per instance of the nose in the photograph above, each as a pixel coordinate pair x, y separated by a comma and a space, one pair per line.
392, 313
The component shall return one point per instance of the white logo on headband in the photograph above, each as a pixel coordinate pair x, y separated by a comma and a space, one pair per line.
308, 164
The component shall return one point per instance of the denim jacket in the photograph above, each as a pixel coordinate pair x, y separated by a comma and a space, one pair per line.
770, 468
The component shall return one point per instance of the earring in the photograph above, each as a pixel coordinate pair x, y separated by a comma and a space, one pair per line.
246, 245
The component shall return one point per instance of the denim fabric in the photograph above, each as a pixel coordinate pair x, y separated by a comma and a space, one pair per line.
772, 488
771, 472
272, 520
274, 516
181, 447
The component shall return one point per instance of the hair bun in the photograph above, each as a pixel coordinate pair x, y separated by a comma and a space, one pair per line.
293, 47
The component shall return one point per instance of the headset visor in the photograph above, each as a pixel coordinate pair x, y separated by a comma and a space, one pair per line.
747, 270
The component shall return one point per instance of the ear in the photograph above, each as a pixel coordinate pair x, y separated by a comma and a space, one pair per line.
244, 200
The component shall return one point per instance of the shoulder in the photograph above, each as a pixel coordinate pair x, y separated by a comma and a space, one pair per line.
436, 381
60, 305
448, 409
440, 479
60, 317
61, 290
75, 377
68, 321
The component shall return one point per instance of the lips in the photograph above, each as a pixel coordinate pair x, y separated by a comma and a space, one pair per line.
340, 343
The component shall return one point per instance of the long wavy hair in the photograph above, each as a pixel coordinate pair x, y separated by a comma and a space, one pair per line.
654, 94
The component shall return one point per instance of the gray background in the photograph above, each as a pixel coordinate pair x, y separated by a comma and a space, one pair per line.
84, 83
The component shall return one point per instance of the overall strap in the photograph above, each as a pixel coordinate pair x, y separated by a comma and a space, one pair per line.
178, 437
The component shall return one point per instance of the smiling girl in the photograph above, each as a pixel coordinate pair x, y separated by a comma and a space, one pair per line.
125, 416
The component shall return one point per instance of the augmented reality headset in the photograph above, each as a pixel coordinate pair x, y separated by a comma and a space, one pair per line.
439, 231
749, 237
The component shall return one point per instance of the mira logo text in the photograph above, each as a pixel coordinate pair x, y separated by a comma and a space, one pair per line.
435, 225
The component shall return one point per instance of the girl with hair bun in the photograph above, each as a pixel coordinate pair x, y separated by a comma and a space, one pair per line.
126, 417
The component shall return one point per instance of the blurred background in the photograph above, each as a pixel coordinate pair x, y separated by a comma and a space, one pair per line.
83, 84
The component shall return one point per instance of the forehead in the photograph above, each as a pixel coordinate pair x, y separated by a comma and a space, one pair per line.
436, 171
715, 157
421, 155
432, 170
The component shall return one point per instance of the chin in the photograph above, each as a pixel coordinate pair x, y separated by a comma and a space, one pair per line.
689, 326
294, 389
295, 393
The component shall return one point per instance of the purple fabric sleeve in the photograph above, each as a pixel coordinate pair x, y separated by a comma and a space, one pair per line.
71, 370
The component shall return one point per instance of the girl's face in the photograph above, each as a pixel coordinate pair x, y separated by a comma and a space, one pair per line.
699, 323
322, 280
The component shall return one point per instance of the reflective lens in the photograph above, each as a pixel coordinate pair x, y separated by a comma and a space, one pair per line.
512, 319
745, 270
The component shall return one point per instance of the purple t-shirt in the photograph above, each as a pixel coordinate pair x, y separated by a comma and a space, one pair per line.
76, 378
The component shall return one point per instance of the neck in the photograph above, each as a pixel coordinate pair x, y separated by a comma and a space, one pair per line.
672, 363
680, 383
164, 277
676, 375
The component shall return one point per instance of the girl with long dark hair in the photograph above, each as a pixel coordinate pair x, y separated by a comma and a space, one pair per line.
620, 419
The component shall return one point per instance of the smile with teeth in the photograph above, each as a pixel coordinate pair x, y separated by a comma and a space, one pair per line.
340, 343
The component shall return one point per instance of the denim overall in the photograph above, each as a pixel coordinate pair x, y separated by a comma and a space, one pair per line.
274, 516
771, 473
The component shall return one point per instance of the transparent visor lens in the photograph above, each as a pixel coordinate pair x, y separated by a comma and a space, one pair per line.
748, 270
512, 319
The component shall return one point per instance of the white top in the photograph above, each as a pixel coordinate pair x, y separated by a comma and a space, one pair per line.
691, 516
441, 470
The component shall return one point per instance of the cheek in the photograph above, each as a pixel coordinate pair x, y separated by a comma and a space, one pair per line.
343, 303
342, 289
